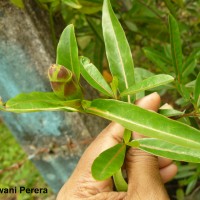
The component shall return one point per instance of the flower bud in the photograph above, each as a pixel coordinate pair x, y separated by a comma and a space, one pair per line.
63, 82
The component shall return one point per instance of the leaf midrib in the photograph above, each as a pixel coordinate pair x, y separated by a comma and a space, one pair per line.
96, 111
113, 158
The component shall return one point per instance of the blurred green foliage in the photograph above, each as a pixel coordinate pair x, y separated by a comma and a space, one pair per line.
16, 170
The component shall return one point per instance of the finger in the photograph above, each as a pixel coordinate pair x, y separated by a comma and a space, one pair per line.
110, 136
144, 176
163, 162
143, 168
168, 172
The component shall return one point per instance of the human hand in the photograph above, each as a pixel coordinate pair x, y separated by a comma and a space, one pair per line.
146, 173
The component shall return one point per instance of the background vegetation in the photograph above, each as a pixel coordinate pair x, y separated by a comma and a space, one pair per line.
146, 27
17, 170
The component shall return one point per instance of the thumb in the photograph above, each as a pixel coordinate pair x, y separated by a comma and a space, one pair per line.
144, 180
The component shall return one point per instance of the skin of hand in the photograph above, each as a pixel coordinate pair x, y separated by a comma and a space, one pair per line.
146, 173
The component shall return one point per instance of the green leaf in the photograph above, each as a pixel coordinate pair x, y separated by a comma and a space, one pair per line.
72, 3
141, 74
67, 51
175, 46
39, 101
168, 150
145, 122
98, 56
94, 77
170, 112
90, 7
120, 183
127, 135
117, 49
114, 86
184, 91
149, 83
190, 68
157, 58
197, 91
96, 28
108, 162
18, 3
191, 185
170, 7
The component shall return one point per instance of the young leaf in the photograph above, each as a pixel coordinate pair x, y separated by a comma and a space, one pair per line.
145, 122
67, 51
108, 162
90, 7
170, 112
189, 68
149, 83
191, 185
197, 91
94, 77
114, 85
157, 58
127, 135
117, 49
72, 3
175, 46
120, 183
168, 150
184, 91
170, 7
141, 74
39, 101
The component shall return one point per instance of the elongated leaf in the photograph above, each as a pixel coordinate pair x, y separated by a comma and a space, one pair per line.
72, 3
90, 7
149, 83
97, 29
145, 122
117, 49
175, 46
157, 57
114, 86
39, 101
197, 91
67, 51
120, 183
127, 136
154, 58
168, 150
170, 112
170, 7
141, 74
108, 162
190, 68
94, 77
184, 91
191, 185
194, 56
